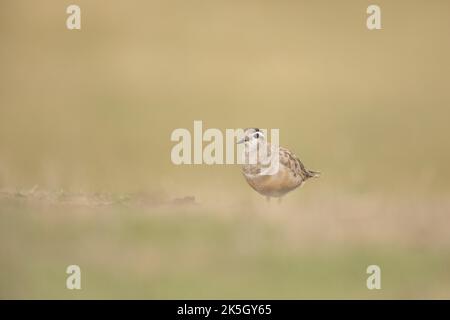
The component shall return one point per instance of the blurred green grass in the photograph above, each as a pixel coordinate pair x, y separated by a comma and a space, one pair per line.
192, 253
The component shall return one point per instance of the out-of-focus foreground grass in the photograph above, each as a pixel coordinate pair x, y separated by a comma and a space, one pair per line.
240, 251
92, 111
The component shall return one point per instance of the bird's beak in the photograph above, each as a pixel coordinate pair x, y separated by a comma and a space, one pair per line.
244, 139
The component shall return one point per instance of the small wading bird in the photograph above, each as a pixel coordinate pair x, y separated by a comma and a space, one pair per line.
289, 174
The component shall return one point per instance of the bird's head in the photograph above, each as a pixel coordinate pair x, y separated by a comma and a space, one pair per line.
252, 137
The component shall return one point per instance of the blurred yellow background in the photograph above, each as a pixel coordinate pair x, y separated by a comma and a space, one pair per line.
91, 111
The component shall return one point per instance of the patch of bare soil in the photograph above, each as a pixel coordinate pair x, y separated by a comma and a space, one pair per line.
140, 199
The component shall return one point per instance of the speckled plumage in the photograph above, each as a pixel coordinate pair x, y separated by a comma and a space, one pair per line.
291, 172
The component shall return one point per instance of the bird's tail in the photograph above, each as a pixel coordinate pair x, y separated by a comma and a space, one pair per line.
313, 174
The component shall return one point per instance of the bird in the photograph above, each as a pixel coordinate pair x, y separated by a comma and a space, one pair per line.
257, 167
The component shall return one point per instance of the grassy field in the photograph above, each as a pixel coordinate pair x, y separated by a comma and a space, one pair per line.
140, 249
86, 117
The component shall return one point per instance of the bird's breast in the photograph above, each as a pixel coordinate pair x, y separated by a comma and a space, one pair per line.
274, 185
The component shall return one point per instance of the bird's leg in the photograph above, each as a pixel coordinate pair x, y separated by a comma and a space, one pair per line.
279, 200
268, 199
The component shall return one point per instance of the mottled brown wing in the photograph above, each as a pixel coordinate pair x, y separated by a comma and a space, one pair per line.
290, 161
